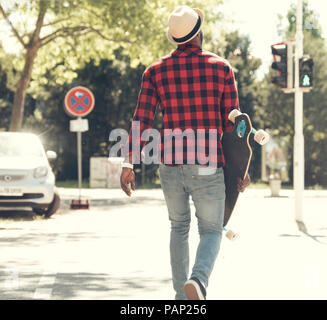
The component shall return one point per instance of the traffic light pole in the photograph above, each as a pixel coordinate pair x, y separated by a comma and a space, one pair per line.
298, 165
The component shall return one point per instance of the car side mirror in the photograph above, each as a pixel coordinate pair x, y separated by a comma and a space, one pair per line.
51, 155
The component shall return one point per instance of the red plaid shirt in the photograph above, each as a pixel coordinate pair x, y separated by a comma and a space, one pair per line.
196, 90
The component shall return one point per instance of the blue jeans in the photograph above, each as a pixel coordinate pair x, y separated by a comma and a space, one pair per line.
207, 188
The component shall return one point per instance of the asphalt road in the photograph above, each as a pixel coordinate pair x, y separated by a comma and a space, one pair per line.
119, 249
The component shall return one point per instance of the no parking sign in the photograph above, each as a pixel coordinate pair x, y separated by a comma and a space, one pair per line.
79, 101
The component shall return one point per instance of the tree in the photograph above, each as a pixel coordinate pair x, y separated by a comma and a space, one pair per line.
85, 29
277, 112
6, 94
113, 84
237, 52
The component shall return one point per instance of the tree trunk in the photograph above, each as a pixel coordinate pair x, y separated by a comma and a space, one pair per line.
20, 93
22, 85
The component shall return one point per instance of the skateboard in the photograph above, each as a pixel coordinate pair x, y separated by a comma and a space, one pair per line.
238, 154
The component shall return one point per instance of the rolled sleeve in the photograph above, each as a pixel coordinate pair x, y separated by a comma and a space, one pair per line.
229, 100
143, 116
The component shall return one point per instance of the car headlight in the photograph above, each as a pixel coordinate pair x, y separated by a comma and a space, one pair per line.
40, 172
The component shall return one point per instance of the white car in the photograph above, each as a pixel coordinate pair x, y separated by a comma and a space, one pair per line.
26, 178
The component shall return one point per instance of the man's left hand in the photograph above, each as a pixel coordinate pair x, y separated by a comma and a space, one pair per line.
242, 184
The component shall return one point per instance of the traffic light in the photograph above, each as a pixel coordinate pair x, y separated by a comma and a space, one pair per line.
306, 72
280, 64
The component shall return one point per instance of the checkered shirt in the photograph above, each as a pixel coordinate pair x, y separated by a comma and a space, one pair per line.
196, 91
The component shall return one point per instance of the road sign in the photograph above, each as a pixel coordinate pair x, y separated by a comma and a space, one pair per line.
79, 101
79, 125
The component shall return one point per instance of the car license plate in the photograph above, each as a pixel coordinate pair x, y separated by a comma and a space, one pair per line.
10, 191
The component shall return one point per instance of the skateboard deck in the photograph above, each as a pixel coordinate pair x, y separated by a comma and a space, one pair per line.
238, 153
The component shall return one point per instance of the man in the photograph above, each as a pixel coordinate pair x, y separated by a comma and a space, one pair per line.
196, 90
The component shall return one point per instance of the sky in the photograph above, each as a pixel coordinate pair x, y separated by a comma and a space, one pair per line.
256, 18
259, 18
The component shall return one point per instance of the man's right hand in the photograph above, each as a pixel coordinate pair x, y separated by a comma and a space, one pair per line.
127, 177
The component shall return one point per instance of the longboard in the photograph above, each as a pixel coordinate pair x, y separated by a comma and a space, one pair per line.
238, 154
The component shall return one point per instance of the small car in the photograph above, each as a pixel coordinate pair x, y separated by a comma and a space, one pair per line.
26, 177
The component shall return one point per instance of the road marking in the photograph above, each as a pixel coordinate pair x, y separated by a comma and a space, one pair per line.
48, 278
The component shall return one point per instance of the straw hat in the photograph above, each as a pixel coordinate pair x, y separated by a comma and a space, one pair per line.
184, 24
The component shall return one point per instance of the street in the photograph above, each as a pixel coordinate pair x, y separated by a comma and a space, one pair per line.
119, 249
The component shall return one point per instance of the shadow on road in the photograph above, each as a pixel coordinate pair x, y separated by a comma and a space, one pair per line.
313, 237
39, 238
144, 201
108, 204
96, 204
103, 285
18, 215
81, 285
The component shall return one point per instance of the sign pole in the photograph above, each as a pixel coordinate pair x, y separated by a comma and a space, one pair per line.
298, 172
79, 102
79, 160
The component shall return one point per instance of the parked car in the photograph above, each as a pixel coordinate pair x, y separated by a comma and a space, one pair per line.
26, 177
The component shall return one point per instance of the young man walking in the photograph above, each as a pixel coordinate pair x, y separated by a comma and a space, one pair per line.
195, 90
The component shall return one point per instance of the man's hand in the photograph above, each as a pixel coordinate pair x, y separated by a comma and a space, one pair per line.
242, 184
127, 177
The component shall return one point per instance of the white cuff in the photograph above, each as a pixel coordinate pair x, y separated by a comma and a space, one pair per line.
127, 165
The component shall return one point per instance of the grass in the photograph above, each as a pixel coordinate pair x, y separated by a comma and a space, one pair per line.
72, 184
258, 185
149, 186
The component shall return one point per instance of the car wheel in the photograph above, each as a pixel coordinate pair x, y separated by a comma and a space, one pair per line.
53, 207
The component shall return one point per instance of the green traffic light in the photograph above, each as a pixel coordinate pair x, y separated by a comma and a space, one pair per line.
306, 81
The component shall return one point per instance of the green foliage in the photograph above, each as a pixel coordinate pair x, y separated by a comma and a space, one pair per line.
115, 85
76, 32
6, 94
237, 52
310, 21
79, 43
105, 45
277, 112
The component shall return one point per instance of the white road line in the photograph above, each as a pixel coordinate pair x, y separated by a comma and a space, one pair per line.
48, 278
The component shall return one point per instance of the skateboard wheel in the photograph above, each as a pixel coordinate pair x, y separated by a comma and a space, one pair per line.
233, 114
231, 235
261, 136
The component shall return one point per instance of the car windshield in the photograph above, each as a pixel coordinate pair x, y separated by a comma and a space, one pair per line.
20, 146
